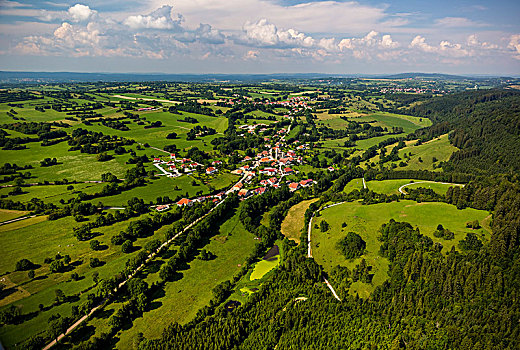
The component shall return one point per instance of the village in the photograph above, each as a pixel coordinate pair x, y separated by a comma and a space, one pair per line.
258, 174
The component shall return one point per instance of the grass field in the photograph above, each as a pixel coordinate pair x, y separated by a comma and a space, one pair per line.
439, 148
71, 165
263, 267
53, 193
392, 186
223, 180
40, 239
6, 214
294, 222
160, 187
183, 298
354, 184
366, 221
170, 123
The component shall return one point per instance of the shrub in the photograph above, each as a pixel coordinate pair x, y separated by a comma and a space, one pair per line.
127, 247
24, 265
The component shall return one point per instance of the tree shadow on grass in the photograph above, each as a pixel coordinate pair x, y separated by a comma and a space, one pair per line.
6, 292
42, 277
28, 316
166, 254
104, 314
83, 333
154, 305
102, 247
152, 267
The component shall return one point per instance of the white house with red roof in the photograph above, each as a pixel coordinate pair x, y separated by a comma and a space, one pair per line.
306, 183
268, 171
260, 190
288, 171
293, 186
185, 201
211, 170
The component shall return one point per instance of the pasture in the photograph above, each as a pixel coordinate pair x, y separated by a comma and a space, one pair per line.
366, 220
180, 300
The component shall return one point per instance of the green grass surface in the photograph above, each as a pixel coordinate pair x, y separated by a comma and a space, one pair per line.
223, 180
183, 298
45, 239
392, 186
160, 187
439, 148
366, 221
263, 267
157, 136
6, 214
53, 193
72, 165
354, 184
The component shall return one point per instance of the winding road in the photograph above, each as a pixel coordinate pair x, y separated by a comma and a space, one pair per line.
420, 182
309, 250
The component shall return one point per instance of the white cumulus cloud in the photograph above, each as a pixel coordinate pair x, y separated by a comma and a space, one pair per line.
263, 33
81, 13
162, 18
514, 44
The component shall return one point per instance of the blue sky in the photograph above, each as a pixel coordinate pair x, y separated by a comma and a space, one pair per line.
261, 36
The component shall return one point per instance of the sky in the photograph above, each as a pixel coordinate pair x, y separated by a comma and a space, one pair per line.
261, 36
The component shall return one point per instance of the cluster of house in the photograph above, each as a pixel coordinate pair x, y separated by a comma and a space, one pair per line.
293, 186
411, 90
251, 128
244, 193
186, 165
189, 202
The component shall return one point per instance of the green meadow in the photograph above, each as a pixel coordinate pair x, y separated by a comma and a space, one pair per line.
44, 239
181, 299
366, 220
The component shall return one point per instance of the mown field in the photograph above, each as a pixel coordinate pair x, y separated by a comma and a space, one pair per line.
294, 221
366, 220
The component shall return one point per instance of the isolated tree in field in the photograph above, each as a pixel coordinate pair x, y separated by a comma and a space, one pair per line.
352, 245
95, 277
95, 262
473, 224
324, 226
30, 274
94, 244
60, 296
82, 233
56, 266
67, 259
127, 247
24, 265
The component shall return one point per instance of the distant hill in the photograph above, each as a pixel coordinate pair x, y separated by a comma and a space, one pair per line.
70, 77
428, 76
13, 77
